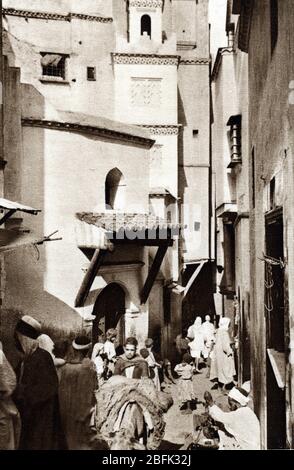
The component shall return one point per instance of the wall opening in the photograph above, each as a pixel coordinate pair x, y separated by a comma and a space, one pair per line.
109, 310
91, 74
253, 178
274, 16
115, 190
146, 26
275, 330
53, 65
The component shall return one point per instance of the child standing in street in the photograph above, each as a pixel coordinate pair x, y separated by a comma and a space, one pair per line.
185, 384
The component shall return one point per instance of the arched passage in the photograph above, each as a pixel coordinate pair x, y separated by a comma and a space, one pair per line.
109, 310
146, 25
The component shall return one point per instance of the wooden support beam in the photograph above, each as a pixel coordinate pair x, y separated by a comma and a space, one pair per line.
193, 278
7, 216
146, 242
90, 275
153, 272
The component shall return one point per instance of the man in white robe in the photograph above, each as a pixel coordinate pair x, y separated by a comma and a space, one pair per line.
240, 423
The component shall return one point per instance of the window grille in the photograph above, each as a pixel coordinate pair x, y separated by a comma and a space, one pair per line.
53, 65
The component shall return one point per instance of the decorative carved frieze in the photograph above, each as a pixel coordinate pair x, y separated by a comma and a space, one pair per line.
145, 59
196, 61
155, 162
146, 92
54, 16
146, 3
162, 129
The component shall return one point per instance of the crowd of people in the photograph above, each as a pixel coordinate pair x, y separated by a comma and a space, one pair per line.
238, 427
204, 342
50, 403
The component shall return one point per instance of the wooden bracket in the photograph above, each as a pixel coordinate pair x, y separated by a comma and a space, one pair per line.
89, 278
160, 254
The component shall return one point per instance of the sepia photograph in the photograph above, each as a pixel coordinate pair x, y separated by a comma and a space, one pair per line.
146, 228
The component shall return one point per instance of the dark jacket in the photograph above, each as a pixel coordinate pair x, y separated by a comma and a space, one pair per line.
78, 383
140, 369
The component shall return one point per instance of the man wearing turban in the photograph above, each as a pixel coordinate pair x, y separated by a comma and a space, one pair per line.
241, 423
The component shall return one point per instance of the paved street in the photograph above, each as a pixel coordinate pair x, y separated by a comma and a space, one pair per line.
178, 424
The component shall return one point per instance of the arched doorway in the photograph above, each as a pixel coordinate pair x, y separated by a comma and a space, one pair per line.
109, 310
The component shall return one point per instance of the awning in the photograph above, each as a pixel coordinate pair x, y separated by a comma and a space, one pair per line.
110, 229
227, 208
10, 205
10, 239
117, 224
161, 191
13, 207
51, 59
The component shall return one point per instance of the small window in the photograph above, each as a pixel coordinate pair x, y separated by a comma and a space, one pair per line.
146, 26
54, 65
273, 194
115, 190
91, 74
195, 132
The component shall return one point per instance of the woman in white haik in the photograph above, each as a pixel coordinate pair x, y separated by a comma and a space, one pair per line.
223, 365
197, 345
208, 331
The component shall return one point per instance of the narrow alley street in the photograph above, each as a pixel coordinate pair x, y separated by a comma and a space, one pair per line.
146, 226
179, 424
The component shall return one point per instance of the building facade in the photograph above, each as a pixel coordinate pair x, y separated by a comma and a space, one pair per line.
231, 177
253, 163
267, 35
107, 139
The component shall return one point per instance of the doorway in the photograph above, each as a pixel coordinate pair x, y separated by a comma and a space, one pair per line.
109, 310
275, 334
245, 350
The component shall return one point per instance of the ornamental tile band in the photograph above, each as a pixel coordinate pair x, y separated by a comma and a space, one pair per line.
99, 19
198, 61
54, 16
217, 63
146, 3
162, 129
145, 59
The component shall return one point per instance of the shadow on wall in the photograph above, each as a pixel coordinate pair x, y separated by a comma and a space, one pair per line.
182, 180
25, 268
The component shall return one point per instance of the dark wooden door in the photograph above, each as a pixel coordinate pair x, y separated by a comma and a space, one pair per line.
275, 337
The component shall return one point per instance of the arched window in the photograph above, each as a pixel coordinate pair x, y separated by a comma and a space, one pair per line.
146, 25
115, 190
